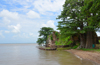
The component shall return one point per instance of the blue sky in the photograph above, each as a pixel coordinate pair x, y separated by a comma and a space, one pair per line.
20, 20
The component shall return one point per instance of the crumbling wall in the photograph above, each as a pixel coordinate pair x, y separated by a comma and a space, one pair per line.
51, 42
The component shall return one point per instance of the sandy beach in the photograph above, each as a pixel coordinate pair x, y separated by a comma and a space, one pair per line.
92, 56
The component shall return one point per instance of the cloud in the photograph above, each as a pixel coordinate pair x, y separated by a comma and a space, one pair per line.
31, 34
15, 29
49, 23
7, 31
48, 5
23, 35
25, 18
1, 35
17, 5
42, 6
7, 14
32, 14
6, 20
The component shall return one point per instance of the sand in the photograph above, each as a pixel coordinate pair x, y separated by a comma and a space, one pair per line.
92, 56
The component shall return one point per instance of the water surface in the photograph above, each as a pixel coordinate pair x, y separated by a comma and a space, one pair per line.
28, 54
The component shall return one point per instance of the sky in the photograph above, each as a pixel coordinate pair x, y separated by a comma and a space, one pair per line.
20, 20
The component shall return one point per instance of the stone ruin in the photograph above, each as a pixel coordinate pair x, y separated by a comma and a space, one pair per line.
51, 42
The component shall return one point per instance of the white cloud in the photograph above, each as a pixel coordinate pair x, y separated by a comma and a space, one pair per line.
7, 31
23, 35
15, 29
48, 5
7, 14
21, 19
1, 35
31, 34
41, 5
32, 14
49, 23
6, 20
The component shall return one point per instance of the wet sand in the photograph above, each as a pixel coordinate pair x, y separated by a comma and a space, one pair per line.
92, 56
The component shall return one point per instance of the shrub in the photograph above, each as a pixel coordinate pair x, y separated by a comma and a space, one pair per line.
51, 37
75, 47
57, 35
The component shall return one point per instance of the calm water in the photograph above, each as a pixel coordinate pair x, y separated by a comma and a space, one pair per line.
28, 54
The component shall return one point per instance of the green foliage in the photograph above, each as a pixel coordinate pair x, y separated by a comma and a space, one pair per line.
69, 42
93, 50
99, 41
78, 17
47, 48
67, 48
71, 18
51, 37
43, 33
84, 15
75, 47
92, 7
63, 41
57, 34
60, 43
67, 38
40, 41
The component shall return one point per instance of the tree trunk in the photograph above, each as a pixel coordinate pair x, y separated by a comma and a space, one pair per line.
82, 40
82, 37
89, 39
96, 40
74, 42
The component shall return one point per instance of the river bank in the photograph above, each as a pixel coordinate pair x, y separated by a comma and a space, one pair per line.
92, 56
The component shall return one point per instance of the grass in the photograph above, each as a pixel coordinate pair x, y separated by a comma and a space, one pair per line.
66, 48
47, 48
75, 47
93, 50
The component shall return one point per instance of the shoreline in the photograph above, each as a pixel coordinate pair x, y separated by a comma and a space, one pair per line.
91, 56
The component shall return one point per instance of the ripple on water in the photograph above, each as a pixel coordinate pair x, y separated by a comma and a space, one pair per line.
28, 54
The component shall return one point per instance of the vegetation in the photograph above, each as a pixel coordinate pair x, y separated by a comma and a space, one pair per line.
59, 49
40, 41
51, 37
57, 34
80, 18
99, 41
79, 22
93, 50
63, 41
43, 33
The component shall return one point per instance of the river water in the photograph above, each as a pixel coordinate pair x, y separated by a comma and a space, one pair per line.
28, 54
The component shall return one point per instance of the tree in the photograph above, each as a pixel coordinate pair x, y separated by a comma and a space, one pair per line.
40, 41
43, 33
80, 17
92, 13
72, 20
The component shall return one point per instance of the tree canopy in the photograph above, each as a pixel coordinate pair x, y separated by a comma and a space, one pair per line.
43, 33
80, 17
